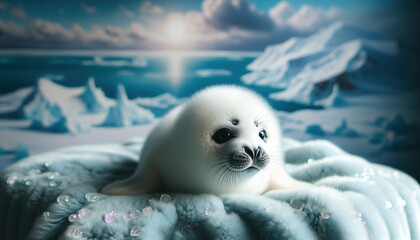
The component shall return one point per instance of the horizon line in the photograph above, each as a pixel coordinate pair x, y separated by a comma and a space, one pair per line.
80, 52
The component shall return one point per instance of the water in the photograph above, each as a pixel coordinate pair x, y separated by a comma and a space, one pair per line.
142, 76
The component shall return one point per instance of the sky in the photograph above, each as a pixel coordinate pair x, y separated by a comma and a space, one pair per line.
192, 24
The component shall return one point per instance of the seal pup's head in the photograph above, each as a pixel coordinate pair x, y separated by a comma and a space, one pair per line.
236, 140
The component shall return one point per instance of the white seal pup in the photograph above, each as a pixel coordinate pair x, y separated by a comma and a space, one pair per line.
225, 139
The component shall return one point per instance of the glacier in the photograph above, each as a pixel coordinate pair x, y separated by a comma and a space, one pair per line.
314, 71
126, 113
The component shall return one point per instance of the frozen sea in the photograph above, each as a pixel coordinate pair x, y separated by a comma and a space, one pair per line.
147, 75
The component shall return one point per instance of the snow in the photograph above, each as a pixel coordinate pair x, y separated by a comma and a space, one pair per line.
94, 98
126, 113
163, 101
315, 71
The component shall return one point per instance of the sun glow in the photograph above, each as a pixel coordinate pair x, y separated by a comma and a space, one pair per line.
176, 30
175, 68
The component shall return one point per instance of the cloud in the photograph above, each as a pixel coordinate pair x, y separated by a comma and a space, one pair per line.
281, 13
41, 33
3, 5
18, 12
150, 9
240, 14
306, 19
125, 11
89, 9
219, 24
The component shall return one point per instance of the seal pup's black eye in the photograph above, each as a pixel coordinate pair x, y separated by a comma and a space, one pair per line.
263, 135
222, 135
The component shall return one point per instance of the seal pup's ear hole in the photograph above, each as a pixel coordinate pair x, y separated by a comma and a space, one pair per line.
235, 121
222, 135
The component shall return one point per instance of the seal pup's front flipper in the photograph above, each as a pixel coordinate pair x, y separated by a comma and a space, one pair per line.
282, 180
145, 180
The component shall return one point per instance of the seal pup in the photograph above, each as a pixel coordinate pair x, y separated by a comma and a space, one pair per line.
225, 139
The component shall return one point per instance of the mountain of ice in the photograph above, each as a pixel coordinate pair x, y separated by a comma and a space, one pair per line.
94, 98
312, 71
126, 113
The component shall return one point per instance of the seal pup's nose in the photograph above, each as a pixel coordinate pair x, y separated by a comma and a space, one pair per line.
254, 154
249, 152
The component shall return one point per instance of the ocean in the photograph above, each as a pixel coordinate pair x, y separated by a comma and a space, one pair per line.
143, 75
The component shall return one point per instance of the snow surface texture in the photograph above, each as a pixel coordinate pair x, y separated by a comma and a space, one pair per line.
126, 113
312, 71
54, 196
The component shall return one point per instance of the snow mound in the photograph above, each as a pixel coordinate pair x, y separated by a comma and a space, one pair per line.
94, 98
163, 101
126, 113
312, 71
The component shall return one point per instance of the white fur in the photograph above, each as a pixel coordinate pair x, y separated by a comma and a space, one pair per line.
180, 154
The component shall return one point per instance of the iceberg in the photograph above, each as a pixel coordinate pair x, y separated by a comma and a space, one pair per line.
94, 98
163, 101
315, 70
47, 115
344, 130
315, 129
126, 113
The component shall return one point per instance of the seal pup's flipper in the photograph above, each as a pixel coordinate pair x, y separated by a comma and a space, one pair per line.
281, 180
145, 180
